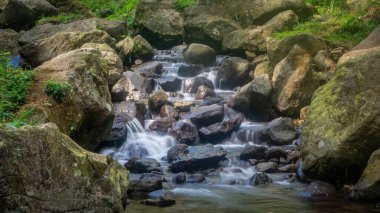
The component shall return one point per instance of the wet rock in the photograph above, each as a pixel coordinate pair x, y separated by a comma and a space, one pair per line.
144, 165
148, 182
209, 30
161, 125
43, 50
179, 178
21, 15
219, 131
134, 85
253, 152
205, 115
294, 82
118, 93
281, 131
198, 158
175, 151
234, 72
196, 178
259, 178
293, 156
191, 70
168, 111
135, 108
9, 42
183, 106
211, 100
323, 62
142, 49
199, 54
275, 152
253, 162
149, 69
291, 168
263, 68
125, 50
368, 186
197, 82
373, 40
204, 92
47, 154
119, 131
184, 132
157, 100
267, 167
170, 83
320, 189
163, 201
333, 150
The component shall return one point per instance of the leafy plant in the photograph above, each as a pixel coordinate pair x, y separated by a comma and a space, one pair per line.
62, 18
58, 91
14, 86
182, 4
22, 119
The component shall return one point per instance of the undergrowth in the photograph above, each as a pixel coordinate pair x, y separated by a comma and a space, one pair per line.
182, 4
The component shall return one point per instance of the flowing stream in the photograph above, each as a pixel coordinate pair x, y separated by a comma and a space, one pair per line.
228, 190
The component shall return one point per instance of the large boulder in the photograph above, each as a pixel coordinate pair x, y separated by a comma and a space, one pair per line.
142, 49
9, 41
342, 127
249, 12
86, 112
21, 15
280, 131
368, 187
135, 108
184, 132
116, 29
160, 24
43, 50
209, 30
134, 85
294, 82
373, 40
253, 39
199, 54
217, 132
157, 100
195, 83
43, 170
198, 158
234, 72
205, 115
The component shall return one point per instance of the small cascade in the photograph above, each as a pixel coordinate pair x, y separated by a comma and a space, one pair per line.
249, 133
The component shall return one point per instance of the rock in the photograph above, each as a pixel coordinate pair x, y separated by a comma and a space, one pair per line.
275, 152
162, 125
219, 131
197, 82
43, 50
125, 50
198, 158
259, 178
142, 49
56, 172
149, 69
119, 131
86, 113
333, 150
204, 92
291, 168
8, 42
135, 108
196, 178
205, 115
135, 85
277, 51
116, 29
368, 187
21, 15
280, 131
144, 165
162, 201
167, 111
208, 30
191, 70
148, 182
323, 62
234, 72
253, 152
175, 151
113, 61
267, 167
253, 39
293, 156
157, 100
251, 12
293, 82
183, 106
320, 189
199, 54
118, 93
184, 132
159, 24
254, 98
179, 178
373, 40
170, 83
262, 69
253, 162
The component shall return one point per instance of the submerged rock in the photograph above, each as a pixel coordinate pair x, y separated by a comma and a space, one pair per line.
198, 158
196, 178
320, 189
58, 174
259, 178
162, 201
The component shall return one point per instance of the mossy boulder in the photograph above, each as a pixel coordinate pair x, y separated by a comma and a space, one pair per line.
85, 112
199, 54
157, 100
43, 170
142, 49
342, 127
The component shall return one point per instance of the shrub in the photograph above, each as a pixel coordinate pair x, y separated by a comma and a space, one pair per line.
182, 4
58, 91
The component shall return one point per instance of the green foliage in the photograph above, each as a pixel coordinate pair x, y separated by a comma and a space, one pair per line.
62, 18
14, 86
182, 4
22, 120
58, 91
